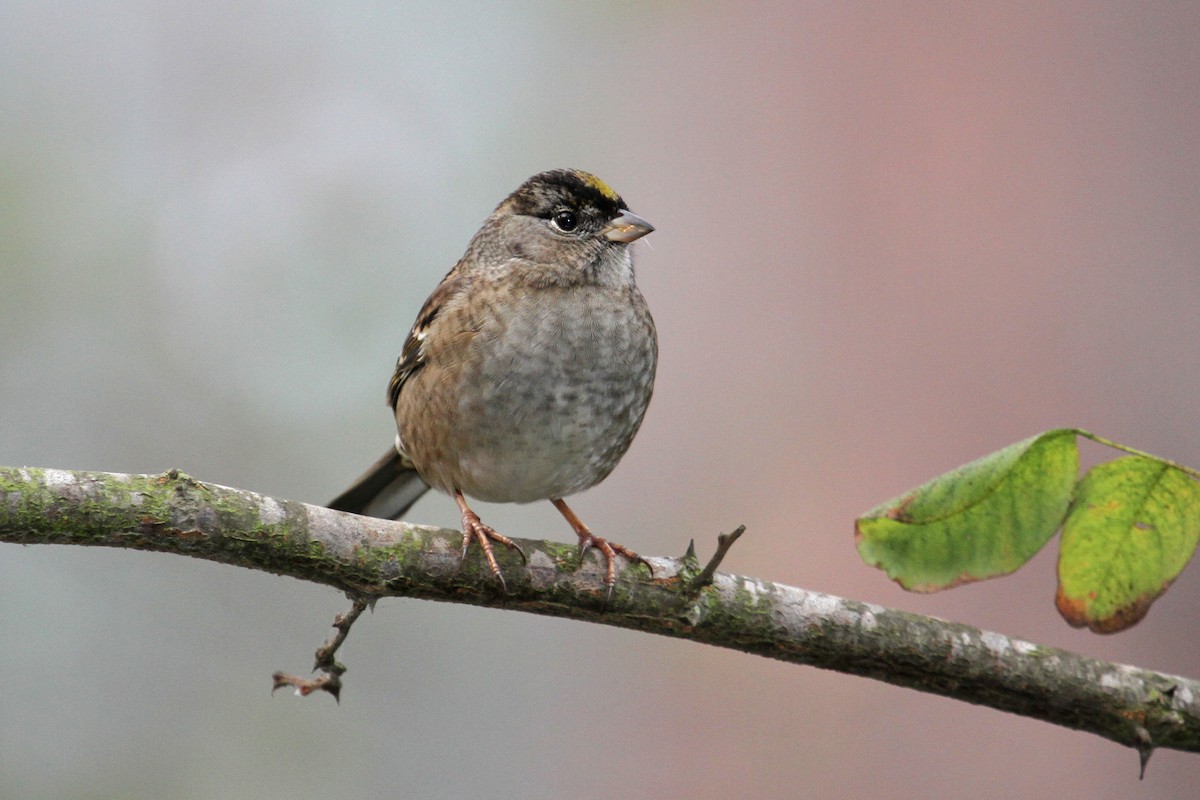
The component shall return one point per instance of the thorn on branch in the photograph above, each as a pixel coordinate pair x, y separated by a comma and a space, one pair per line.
1145, 748
330, 679
724, 542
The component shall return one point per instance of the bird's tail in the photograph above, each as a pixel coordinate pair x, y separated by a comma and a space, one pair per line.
386, 490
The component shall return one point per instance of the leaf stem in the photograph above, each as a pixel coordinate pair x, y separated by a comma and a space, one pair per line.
1098, 439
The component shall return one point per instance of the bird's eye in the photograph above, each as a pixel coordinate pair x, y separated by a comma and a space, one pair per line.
565, 221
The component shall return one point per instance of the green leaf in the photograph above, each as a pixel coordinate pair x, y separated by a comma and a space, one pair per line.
984, 519
1132, 529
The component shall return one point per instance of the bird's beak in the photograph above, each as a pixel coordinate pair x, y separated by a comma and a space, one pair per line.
626, 228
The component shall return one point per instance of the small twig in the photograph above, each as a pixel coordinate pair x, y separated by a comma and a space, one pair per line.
325, 682
724, 542
343, 623
330, 679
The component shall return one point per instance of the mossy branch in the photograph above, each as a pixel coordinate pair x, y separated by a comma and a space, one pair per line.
373, 558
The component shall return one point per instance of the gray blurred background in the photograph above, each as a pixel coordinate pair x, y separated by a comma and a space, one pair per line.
891, 238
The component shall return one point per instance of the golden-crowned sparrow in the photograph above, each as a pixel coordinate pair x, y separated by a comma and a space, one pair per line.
528, 370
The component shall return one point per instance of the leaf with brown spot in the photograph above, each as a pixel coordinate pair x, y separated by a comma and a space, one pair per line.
1133, 527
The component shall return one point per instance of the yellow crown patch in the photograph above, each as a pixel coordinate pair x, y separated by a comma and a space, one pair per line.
597, 184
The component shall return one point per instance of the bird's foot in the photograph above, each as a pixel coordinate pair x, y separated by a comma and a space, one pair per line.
475, 530
609, 550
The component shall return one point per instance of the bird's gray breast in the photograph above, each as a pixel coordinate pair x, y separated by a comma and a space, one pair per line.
563, 382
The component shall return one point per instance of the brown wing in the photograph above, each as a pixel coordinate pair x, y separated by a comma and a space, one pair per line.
412, 355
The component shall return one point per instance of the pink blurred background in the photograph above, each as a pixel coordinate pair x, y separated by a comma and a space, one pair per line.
891, 238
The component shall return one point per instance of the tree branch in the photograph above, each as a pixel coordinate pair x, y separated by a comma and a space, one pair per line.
372, 558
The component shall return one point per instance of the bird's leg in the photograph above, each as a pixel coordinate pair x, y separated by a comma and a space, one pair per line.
588, 539
474, 530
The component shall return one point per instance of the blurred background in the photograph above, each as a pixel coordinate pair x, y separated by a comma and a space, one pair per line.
891, 238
